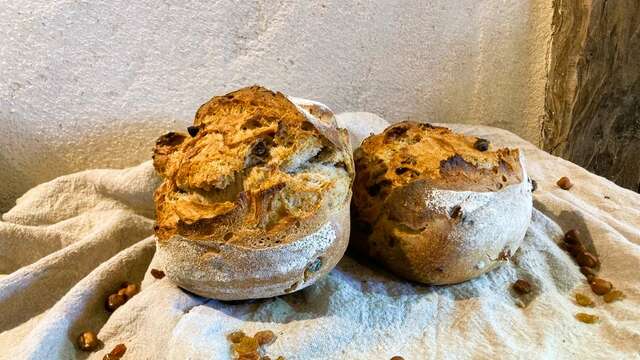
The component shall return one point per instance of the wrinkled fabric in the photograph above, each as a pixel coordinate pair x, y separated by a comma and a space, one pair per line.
69, 243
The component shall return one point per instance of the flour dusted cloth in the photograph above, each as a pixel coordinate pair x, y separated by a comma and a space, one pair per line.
70, 242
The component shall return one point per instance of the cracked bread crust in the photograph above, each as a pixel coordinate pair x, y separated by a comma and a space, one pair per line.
409, 151
255, 199
258, 172
433, 208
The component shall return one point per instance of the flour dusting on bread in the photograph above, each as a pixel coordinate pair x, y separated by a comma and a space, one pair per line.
438, 207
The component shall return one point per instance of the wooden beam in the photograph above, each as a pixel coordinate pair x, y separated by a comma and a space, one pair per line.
592, 101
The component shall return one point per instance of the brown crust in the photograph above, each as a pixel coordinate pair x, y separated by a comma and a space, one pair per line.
411, 214
435, 156
257, 172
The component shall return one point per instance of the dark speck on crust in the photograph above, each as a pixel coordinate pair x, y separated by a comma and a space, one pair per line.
456, 212
481, 144
193, 130
395, 132
170, 139
455, 163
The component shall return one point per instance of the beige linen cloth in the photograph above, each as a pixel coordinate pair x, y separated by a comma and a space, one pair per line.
70, 242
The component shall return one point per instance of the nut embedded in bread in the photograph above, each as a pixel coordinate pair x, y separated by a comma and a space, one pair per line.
433, 207
254, 196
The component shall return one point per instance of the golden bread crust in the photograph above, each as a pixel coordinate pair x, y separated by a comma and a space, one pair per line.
437, 157
431, 205
255, 171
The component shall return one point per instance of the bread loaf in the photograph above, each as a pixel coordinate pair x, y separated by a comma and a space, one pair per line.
255, 198
438, 207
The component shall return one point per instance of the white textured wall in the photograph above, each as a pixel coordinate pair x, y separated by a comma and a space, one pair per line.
92, 83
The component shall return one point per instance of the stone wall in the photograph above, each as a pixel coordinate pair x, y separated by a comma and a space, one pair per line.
87, 84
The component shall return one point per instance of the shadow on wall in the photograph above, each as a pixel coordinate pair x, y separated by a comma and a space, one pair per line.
396, 59
482, 86
113, 146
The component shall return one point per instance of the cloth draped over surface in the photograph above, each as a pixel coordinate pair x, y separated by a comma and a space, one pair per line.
70, 242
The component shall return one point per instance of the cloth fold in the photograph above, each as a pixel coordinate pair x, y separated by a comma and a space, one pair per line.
69, 243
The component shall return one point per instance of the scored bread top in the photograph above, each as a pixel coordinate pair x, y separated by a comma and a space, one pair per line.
255, 170
435, 156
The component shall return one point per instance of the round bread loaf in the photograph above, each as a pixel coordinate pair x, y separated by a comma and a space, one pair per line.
438, 207
255, 198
